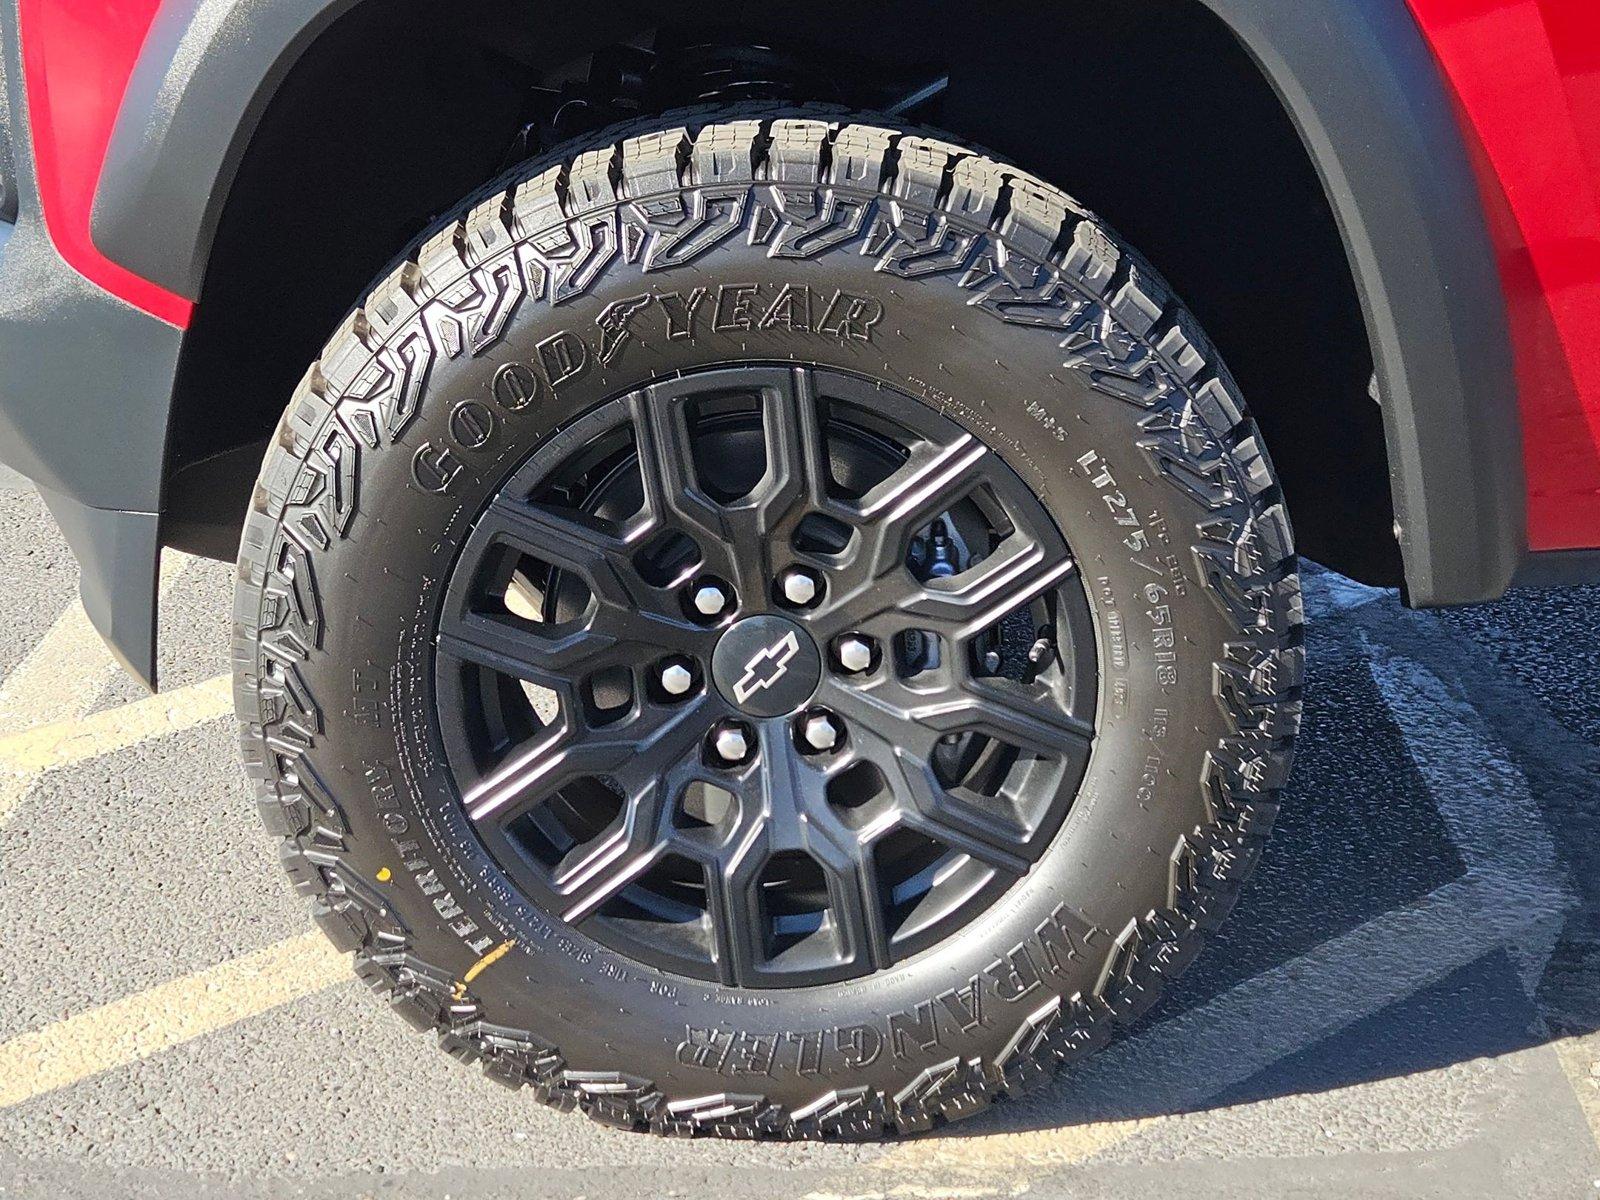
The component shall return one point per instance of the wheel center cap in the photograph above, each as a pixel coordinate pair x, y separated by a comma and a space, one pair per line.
766, 666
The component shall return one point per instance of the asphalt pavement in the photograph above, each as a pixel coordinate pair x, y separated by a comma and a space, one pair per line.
1405, 1003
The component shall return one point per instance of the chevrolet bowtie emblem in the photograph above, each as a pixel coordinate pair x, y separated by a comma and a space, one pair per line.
766, 667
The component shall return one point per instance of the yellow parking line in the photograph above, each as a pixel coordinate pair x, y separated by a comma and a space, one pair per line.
60, 676
73, 741
993, 1155
26, 755
147, 1023
1580, 1059
918, 1191
58, 681
66, 670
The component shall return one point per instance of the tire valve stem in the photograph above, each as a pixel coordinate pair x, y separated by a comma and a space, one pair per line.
1042, 649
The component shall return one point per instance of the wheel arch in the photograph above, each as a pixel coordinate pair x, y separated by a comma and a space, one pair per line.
1376, 130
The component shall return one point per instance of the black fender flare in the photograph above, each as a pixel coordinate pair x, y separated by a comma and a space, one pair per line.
205, 75
1375, 114
1355, 76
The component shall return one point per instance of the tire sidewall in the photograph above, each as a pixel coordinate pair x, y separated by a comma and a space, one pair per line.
1160, 629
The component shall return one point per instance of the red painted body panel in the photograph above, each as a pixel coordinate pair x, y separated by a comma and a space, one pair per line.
77, 57
1526, 76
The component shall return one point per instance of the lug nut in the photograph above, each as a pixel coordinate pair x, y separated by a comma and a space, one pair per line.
730, 743
854, 653
676, 678
799, 587
710, 599
820, 731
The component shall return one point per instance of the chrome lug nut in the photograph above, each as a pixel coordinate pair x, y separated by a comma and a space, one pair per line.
799, 586
730, 743
710, 599
676, 678
854, 653
821, 731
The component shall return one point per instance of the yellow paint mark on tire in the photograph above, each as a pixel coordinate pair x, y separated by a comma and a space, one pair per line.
150, 1022
482, 965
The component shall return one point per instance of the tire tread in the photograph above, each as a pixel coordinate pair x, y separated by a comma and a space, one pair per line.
1247, 562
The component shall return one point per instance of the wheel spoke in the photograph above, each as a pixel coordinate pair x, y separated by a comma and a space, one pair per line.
598, 870
624, 609
946, 820
857, 909
797, 455
930, 482
792, 793
798, 816
539, 770
737, 538
673, 496
901, 741
509, 647
926, 806
731, 903
792, 815
630, 751
1026, 718
961, 607
568, 541
852, 900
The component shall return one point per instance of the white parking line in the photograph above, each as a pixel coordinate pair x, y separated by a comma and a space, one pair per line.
1000, 1155
1486, 805
60, 677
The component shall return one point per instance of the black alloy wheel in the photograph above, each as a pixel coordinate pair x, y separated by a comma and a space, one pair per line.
767, 675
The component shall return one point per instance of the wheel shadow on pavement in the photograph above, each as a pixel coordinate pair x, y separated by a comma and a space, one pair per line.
1431, 894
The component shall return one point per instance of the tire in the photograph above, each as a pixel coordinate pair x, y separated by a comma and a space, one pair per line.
993, 302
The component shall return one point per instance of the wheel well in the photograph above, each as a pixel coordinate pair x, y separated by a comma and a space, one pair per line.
1147, 110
